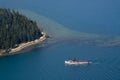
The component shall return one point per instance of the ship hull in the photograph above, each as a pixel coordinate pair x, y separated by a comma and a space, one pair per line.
70, 62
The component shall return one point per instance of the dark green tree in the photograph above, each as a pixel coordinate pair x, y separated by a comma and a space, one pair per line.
16, 28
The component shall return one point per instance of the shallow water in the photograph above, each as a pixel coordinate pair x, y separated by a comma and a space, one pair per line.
92, 19
58, 32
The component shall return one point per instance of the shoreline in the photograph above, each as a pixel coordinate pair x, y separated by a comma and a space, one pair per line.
25, 45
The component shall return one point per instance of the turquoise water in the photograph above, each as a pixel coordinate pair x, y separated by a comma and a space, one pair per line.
47, 63
67, 22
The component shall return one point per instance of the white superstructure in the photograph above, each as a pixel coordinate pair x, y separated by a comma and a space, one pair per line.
76, 62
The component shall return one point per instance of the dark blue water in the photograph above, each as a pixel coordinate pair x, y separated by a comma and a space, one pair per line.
46, 62
95, 16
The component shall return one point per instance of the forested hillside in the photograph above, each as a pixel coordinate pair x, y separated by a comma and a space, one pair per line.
16, 28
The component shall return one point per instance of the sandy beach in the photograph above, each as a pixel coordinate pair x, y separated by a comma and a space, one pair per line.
25, 45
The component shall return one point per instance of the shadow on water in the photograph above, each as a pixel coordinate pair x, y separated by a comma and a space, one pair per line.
59, 33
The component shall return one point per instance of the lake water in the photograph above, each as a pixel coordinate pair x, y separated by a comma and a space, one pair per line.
46, 61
